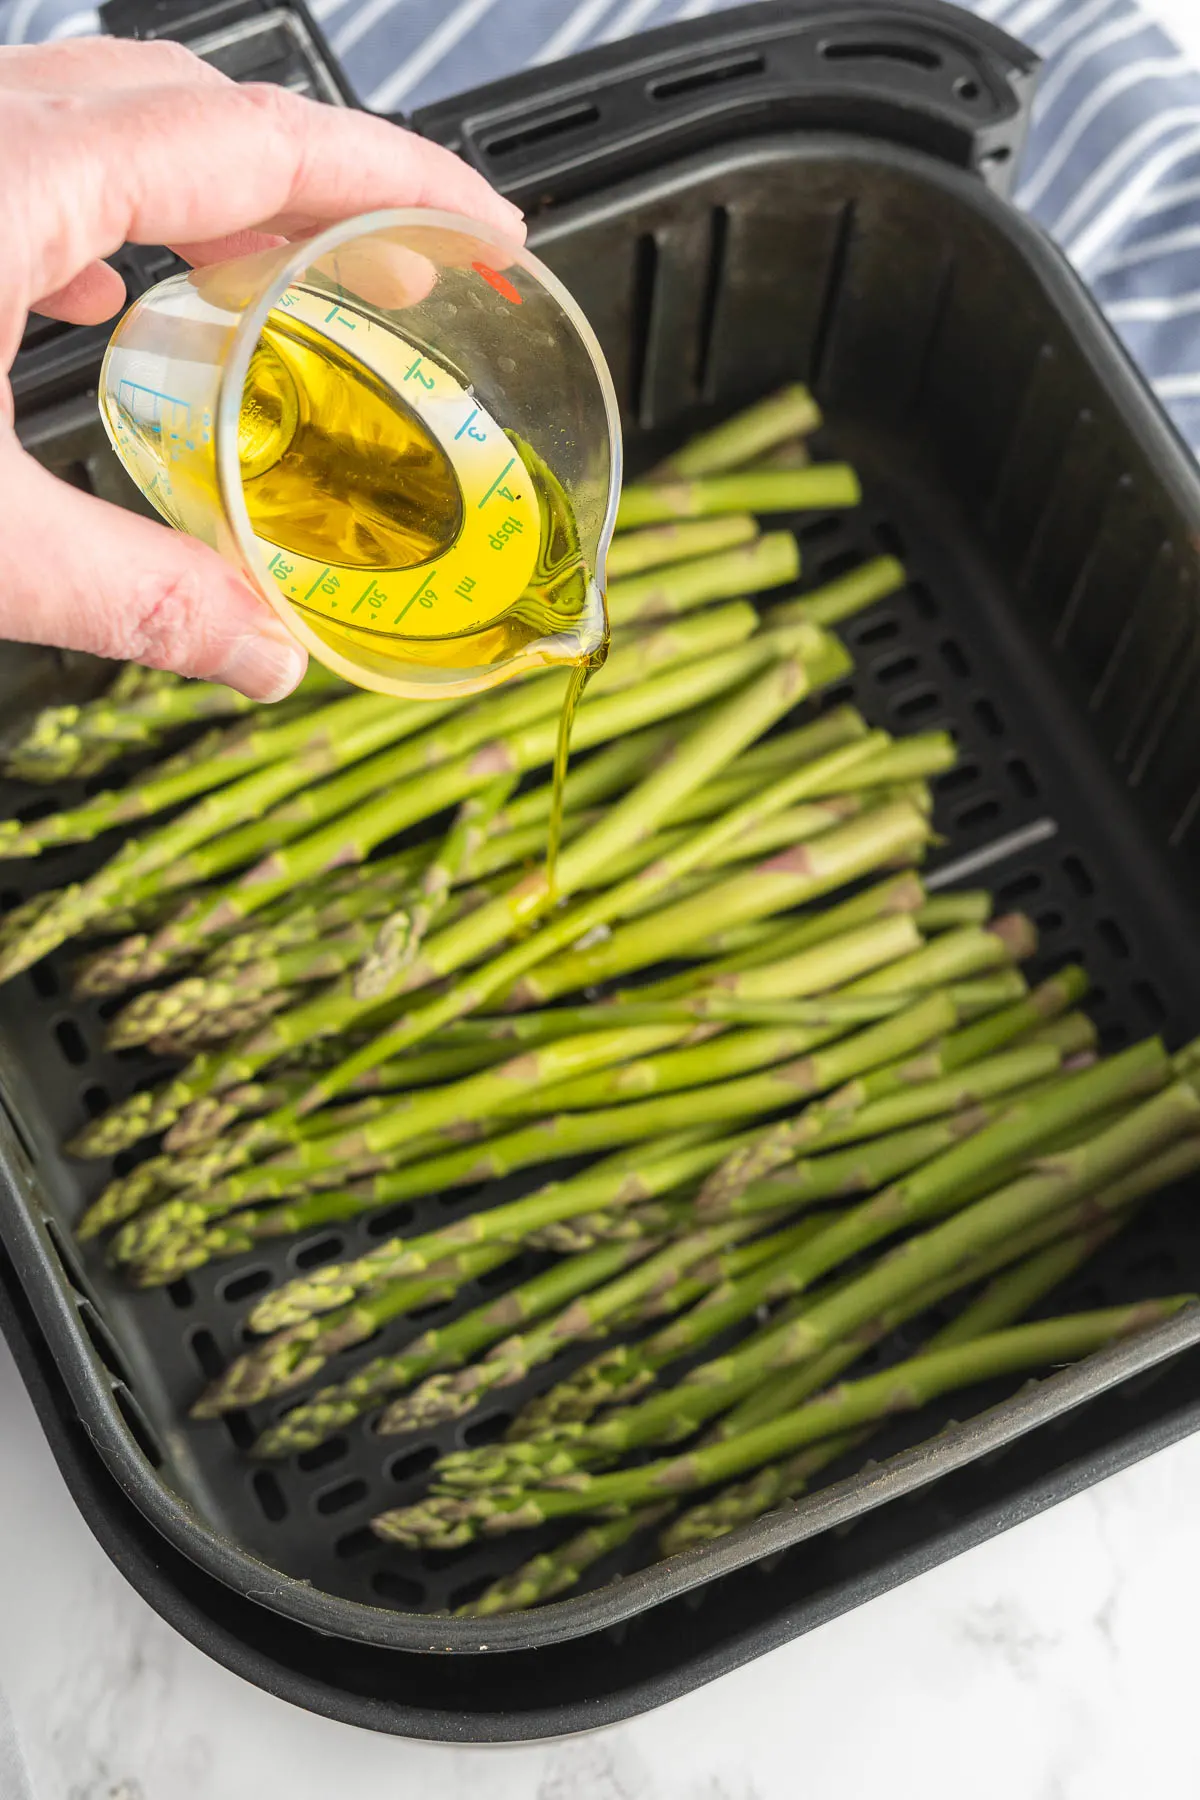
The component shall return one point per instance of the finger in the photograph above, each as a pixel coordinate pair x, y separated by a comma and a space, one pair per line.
218, 250
86, 576
94, 295
270, 160
76, 64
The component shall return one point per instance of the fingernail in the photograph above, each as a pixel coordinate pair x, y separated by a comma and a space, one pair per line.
263, 667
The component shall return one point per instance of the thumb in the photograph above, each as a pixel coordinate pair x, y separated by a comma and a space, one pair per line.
84, 575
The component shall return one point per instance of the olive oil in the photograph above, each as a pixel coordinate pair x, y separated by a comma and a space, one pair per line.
417, 539
335, 465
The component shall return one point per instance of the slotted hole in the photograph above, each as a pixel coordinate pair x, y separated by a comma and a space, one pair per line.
95, 1099
896, 668
337, 1499
322, 1455
1150, 1001
139, 1426
487, 1431
102, 1341
206, 1352
241, 1287
44, 980
888, 537
401, 1590
355, 1543
645, 276
714, 277
966, 89
692, 81
270, 1496
389, 1221
995, 159
1020, 888
239, 1430
1022, 777
918, 56
954, 780
954, 657
842, 562
830, 300
1078, 876
980, 812
318, 1250
501, 1275
1112, 937
812, 531
71, 1041
923, 600
917, 705
181, 1293
989, 717
436, 1560
878, 632
67, 1254
412, 1462
1050, 919
537, 131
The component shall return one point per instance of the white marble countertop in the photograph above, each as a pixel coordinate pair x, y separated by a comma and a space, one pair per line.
1053, 1663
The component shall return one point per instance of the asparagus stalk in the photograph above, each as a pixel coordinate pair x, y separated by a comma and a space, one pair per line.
634, 552
332, 1408
404, 1120
298, 1355
760, 491
552, 1572
748, 435
766, 562
781, 882
453, 1394
849, 594
447, 1521
723, 1100
920, 1262
1005, 1300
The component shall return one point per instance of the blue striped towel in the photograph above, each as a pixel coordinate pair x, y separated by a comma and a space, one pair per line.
1112, 169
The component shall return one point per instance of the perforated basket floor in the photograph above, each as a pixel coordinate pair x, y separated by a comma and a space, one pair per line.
939, 654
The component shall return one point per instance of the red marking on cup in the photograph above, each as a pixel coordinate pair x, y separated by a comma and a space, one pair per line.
501, 283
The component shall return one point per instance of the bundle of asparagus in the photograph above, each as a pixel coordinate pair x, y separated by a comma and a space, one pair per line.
841, 1106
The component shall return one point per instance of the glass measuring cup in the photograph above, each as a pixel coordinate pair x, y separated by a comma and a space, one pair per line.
403, 431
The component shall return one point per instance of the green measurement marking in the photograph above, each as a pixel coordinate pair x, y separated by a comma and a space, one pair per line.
500, 477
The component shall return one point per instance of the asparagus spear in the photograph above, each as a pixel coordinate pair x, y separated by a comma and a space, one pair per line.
405, 1119
849, 594
447, 1521
634, 552
760, 491
921, 1261
300, 1354
331, 1409
748, 435
552, 1572
1007, 1297
451, 1395
766, 562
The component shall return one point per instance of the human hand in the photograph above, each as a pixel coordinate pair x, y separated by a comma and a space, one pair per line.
104, 142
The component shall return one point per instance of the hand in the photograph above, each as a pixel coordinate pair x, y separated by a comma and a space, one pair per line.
104, 142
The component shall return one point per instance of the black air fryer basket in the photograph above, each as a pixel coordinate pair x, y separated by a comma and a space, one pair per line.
790, 191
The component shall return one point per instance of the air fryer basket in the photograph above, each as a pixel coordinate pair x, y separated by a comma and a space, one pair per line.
1049, 519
